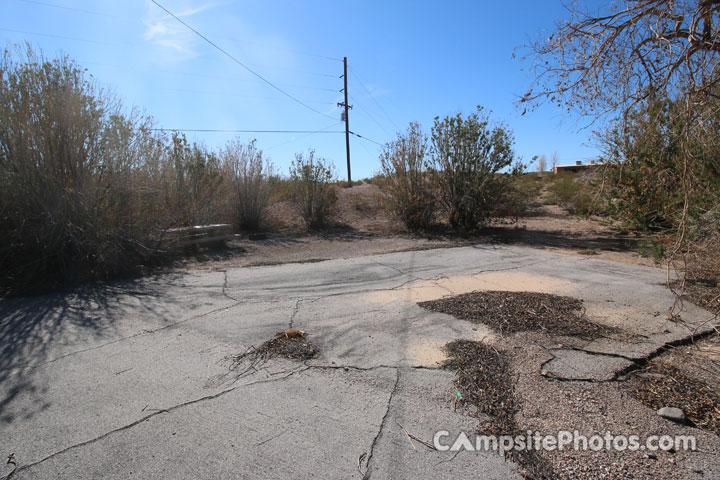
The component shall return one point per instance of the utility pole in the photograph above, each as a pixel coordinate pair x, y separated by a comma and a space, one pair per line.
347, 120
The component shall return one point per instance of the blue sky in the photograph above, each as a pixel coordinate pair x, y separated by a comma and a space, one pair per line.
409, 61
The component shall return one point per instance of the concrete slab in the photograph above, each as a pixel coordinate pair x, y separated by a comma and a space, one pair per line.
576, 365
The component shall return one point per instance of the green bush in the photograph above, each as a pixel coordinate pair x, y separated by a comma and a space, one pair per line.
468, 156
660, 161
405, 182
311, 188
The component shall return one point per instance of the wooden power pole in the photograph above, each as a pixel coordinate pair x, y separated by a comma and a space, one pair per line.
347, 120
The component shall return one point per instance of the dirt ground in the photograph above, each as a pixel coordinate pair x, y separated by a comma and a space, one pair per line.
360, 226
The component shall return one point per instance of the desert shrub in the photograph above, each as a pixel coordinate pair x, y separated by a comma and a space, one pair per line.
194, 183
77, 198
572, 194
311, 179
248, 173
531, 184
704, 234
405, 182
518, 196
468, 156
659, 159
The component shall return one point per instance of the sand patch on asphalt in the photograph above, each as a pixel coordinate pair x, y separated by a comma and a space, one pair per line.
426, 290
427, 353
432, 353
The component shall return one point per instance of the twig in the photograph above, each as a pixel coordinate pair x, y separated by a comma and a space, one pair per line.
359, 466
414, 437
408, 436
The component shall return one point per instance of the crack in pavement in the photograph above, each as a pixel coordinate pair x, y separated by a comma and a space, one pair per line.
148, 417
29, 368
294, 313
402, 272
369, 369
636, 362
225, 288
368, 459
123, 428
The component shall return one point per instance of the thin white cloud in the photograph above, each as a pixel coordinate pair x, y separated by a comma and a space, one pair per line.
164, 31
375, 91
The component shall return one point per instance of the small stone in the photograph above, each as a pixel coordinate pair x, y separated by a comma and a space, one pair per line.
673, 414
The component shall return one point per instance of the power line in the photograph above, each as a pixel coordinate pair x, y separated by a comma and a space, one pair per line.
370, 115
240, 63
213, 130
35, 2
63, 37
229, 94
365, 138
219, 77
357, 77
295, 140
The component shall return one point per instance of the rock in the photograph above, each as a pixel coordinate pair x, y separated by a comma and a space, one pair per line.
673, 414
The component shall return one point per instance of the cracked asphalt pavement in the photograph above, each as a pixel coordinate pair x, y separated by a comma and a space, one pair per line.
132, 378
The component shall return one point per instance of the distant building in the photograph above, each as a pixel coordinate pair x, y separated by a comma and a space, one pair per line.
577, 166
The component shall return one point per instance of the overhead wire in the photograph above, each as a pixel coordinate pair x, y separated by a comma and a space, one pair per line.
357, 77
365, 138
227, 54
229, 94
74, 9
300, 137
369, 114
215, 130
99, 42
219, 77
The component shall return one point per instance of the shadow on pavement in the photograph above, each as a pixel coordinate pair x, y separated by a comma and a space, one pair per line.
31, 329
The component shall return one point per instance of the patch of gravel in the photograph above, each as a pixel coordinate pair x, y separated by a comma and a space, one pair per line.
659, 385
510, 312
593, 408
483, 381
